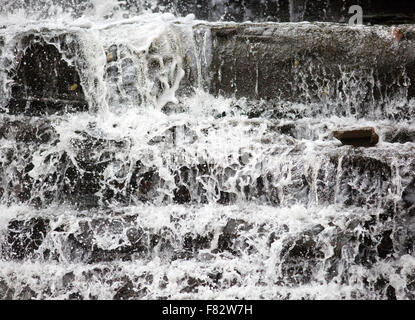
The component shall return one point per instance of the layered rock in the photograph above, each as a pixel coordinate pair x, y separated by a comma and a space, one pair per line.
349, 71
175, 202
334, 69
374, 12
43, 81
96, 171
276, 248
362, 137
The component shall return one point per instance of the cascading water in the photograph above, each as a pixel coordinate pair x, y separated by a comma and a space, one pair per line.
148, 156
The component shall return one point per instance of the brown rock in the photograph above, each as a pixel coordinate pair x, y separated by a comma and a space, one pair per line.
362, 137
396, 34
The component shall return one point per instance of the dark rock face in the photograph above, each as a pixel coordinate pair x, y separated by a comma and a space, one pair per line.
27, 293
77, 182
129, 292
231, 239
36, 132
83, 183
331, 250
363, 137
82, 244
374, 12
193, 243
314, 63
400, 136
25, 237
6, 293
408, 196
300, 255
319, 62
360, 170
94, 173
405, 235
44, 83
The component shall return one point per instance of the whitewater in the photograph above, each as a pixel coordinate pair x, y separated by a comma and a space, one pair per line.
161, 169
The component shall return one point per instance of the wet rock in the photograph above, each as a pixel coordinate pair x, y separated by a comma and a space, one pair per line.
410, 287
25, 237
77, 181
314, 231
378, 12
300, 256
128, 291
226, 197
83, 245
125, 75
385, 247
192, 285
360, 170
391, 293
235, 225
75, 296
193, 243
167, 243
112, 54
144, 182
6, 293
68, 278
85, 184
333, 55
79, 245
339, 242
400, 136
164, 282
304, 247
231, 232
408, 197
44, 83
362, 137
39, 131
288, 129
82, 181
272, 238
396, 34
27, 294
384, 288
135, 235
215, 275
182, 195
404, 235
367, 254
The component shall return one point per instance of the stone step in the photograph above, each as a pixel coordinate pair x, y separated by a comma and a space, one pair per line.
361, 137
374, 12
182, 251
42, 80
273, 164
345, 70
230, 280
331, 69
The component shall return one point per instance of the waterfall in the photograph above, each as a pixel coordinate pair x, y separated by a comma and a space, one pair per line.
147, 154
